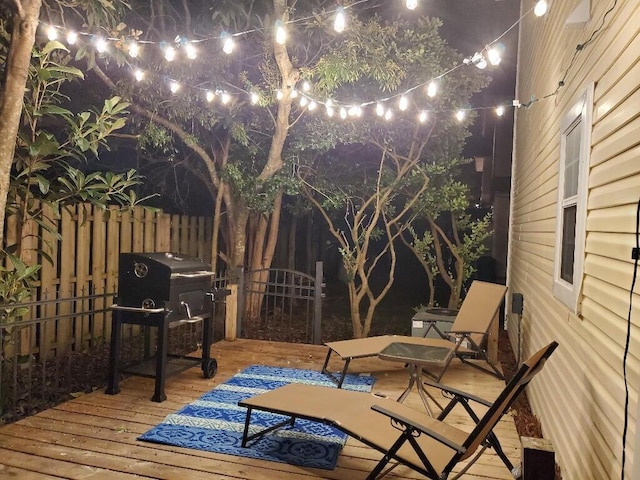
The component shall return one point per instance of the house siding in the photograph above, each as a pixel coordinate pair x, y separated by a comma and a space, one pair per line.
579, 398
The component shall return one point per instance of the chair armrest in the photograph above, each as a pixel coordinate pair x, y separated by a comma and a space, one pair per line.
458, 393
421, 428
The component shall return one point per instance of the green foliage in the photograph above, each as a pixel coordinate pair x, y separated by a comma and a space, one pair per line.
51, 147
15, 287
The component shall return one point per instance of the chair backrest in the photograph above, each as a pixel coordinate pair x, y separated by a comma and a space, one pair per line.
479, 308
515, 386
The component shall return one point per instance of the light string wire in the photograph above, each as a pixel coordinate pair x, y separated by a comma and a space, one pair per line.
579, 48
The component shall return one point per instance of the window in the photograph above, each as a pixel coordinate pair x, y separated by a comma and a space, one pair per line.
575, 147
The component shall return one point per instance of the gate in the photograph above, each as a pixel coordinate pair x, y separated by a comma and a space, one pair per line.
286, 305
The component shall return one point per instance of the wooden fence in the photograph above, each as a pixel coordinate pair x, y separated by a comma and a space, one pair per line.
84, 259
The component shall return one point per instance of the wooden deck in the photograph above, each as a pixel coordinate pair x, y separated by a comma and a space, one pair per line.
94, 436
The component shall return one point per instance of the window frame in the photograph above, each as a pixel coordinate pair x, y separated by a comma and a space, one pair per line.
581, 110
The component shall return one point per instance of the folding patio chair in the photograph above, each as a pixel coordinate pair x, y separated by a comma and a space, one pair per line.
464, 340
403, 435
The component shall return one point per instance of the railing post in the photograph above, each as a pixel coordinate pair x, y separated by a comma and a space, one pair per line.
317, 304
240, 303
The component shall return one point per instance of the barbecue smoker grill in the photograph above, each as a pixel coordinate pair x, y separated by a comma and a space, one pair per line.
161, 290
177, 283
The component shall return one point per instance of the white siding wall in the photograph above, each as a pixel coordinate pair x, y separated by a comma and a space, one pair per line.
580, 395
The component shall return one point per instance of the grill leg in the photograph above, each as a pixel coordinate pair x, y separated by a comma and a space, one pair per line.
161, 358
114, 354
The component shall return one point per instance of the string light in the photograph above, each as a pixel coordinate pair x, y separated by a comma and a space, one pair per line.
403, 104
494, 56
541, 8
491, 54
192, 53
101, 45
227, 43
340, 21
52, 33
432, 89
412, 4
281, 33
134, 49
72, 37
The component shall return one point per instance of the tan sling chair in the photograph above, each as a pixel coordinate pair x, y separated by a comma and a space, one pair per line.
464, 340
404, 435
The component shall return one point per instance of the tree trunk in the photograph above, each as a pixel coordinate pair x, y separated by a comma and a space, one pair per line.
25, 23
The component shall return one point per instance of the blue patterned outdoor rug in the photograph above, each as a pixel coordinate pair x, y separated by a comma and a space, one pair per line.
215, 422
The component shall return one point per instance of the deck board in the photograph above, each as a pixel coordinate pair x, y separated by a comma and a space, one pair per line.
94, 435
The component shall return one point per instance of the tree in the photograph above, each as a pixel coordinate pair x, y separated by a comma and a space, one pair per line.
453, 240
25, 22
370, 203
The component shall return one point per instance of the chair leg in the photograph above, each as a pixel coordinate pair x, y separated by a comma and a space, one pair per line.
337, 380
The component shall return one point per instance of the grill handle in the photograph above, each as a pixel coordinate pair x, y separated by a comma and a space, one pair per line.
187, 308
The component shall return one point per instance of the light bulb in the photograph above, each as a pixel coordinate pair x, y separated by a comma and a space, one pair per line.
432, 89
312, 106
170, 54
101, 45
281, 33
403, 104
379, 109
138, 75
52, 33
227, 45
279, 95
494, 56
343, 113
303, 101
500, 111
482, 64
460, 115
423, 116
329, 103
330, 111
541, 8
412, 4
388, 115
209, 96
254, 98
306, 86
192, 53
340, 21
72, 37
225, 98
174, 87
294, 93
133, 49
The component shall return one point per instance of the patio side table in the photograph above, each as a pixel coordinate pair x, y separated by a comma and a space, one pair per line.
415, 356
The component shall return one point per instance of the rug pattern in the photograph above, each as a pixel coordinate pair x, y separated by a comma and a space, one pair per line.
215, 422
